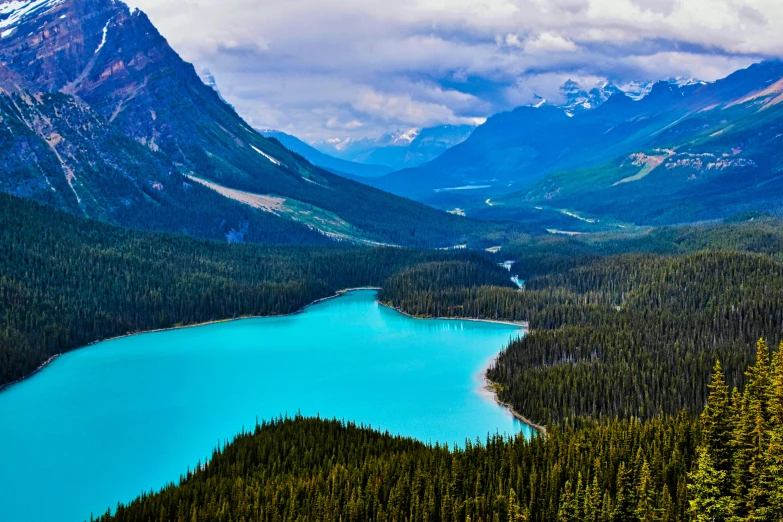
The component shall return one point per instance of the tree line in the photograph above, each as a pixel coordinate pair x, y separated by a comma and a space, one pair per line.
631, 335
66, 281
725, 465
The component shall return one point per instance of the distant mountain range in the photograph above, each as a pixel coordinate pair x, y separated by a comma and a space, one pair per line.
685, 151
335, 165
100, 116
398, 150
578, 98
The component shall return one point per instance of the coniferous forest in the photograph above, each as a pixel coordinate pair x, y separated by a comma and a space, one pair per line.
66, 281
725, 465
619, 365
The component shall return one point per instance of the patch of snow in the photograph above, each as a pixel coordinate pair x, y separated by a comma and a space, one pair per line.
636, 90
103, 40
407, 136
7, 32
686, 82
555, 231
577, 216
16, 11
267, 156
467, 187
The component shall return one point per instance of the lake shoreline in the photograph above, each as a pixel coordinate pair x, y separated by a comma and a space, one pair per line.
523, 325
491, 387
51, 359
488, 385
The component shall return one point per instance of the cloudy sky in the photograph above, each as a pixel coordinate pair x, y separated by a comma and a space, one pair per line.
338, 68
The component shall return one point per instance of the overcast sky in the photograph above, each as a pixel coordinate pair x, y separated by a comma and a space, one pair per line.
338, 68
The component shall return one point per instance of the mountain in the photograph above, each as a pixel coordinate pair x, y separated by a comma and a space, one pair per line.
102, 117
578, 98
398, 150
584, 98
539, 146
335, 165
719, 156
722, 158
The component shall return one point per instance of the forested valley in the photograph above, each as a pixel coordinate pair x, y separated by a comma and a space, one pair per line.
611, 336
67, 281
618, 365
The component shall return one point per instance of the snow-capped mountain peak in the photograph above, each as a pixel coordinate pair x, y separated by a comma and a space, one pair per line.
406, 137
577, 97
15, 12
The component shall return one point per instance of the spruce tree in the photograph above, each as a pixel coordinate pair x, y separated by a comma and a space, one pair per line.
646, 509
717, 422
707, 502
568, 510
625, 503
758, 390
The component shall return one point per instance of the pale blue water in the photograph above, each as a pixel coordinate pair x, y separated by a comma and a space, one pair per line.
102, 424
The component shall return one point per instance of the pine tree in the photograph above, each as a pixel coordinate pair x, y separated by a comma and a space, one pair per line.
646, 510
758, 391
625, 504
742, 446
717, 422
568, 510
707, 502
592, 505
775, 453
667, 508
515, 511
579, 498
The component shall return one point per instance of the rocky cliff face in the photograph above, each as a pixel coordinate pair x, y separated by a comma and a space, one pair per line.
99, 115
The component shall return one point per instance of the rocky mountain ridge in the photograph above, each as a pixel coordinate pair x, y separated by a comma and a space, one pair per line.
129, 125
515, 151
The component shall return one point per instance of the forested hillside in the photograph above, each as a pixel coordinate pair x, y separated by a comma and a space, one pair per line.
150, 146
622, 336
66, 281
308, 469
725, 466
617, 365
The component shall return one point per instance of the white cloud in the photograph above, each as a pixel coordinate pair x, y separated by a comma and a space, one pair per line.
315, 67
549, 43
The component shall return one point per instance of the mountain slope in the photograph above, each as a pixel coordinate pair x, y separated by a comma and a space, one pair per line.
724, 157
516, 150
111, 63
325, 161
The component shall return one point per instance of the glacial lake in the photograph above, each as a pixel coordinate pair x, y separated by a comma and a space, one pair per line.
102, 424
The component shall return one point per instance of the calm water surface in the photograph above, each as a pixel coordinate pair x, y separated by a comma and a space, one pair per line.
104, 423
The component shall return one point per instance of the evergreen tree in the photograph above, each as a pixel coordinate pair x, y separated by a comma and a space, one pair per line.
758, 391
717, 421
707, 502
625, 505
568, 509
773, 480
646, 509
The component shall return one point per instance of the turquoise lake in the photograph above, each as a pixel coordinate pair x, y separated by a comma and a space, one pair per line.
102, 424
